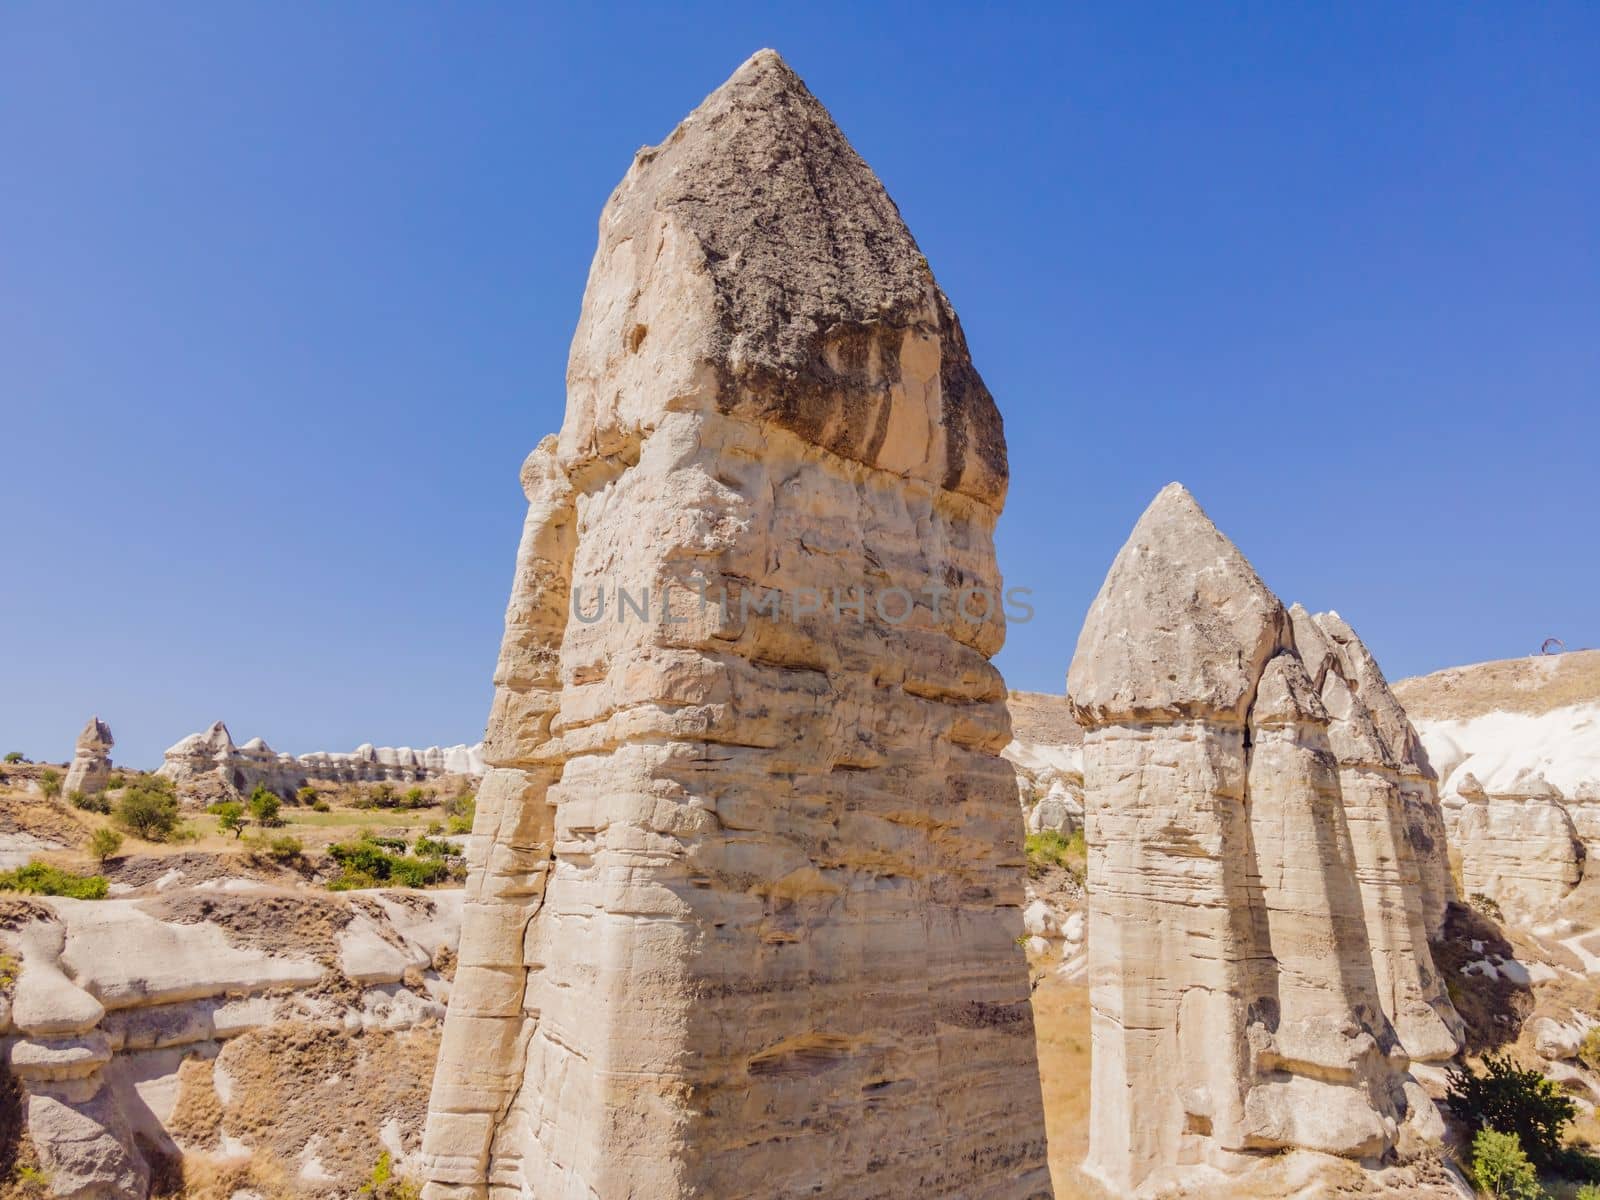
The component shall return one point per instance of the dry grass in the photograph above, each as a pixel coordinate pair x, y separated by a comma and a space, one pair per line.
1061, 1032
1044, 719
1531, 685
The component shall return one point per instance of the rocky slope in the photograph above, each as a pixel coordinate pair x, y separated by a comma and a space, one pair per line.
1516, 745
201, 1039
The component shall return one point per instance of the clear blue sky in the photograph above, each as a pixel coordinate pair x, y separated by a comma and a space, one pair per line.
286, 291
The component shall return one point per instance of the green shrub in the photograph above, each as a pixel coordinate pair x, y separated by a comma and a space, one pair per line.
367, 864
265, 806
104, 844
116, 780
50, 783
1589, 1051
414, 798
427, 847
42, 880
383, 795
285, 847
321, 805
1501, 1168
307, 796
15, 756
1052, 849
149, 808
1589, 1191
459, 813
96, 802
398, 845
1523, 1104
10, 972
383, 1184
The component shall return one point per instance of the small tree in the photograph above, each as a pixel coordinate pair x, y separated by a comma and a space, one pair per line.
230, 817
264, 806
1523, 1104
1501, 1169
149, 808
307, 796
50, 783
104, 844
15, 756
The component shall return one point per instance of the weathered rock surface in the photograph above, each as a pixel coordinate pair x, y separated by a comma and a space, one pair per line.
208, 762
91, 760
1519, 846
236, 1026
743, 913
1046, 751
1257, 939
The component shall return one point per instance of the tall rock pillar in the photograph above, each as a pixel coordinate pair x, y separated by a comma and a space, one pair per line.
91, 759
747, 874
1235, 1003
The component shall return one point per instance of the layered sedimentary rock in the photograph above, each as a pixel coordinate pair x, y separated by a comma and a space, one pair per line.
743, 912
91, 759
248, 1026
1519, 846
209, 761
1046, 751
1257, 948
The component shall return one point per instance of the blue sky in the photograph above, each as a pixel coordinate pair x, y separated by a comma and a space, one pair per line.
286, 291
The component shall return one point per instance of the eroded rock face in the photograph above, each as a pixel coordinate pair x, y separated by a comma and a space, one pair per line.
208, 763
232, 1025
1519, 847
91, 759
743, 913
1257, 945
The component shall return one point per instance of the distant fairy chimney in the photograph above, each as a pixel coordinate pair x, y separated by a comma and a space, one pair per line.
91, 759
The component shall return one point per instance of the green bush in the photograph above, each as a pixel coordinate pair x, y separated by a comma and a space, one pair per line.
104, 844
15, 756
1589, 1051
1052, 849
42, 880
307, 796
116, 780
367, 864
321, 805
1501, 1169
1589, 1191
96, 802
414, 798
149, 808
459, 813
427, 847
1523, 1104
50, 783
383, 1184
265, 806
286, 847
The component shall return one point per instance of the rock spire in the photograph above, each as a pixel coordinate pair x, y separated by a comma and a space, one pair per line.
1258, 962
744, 904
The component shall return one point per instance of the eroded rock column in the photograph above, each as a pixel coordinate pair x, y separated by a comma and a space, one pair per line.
776, 951
1237, 1001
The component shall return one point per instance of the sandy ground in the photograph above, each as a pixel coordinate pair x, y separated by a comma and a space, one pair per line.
1531, 686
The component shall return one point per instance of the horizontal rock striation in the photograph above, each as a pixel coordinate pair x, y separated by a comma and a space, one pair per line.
129, 1017
744, 914
1258, 956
